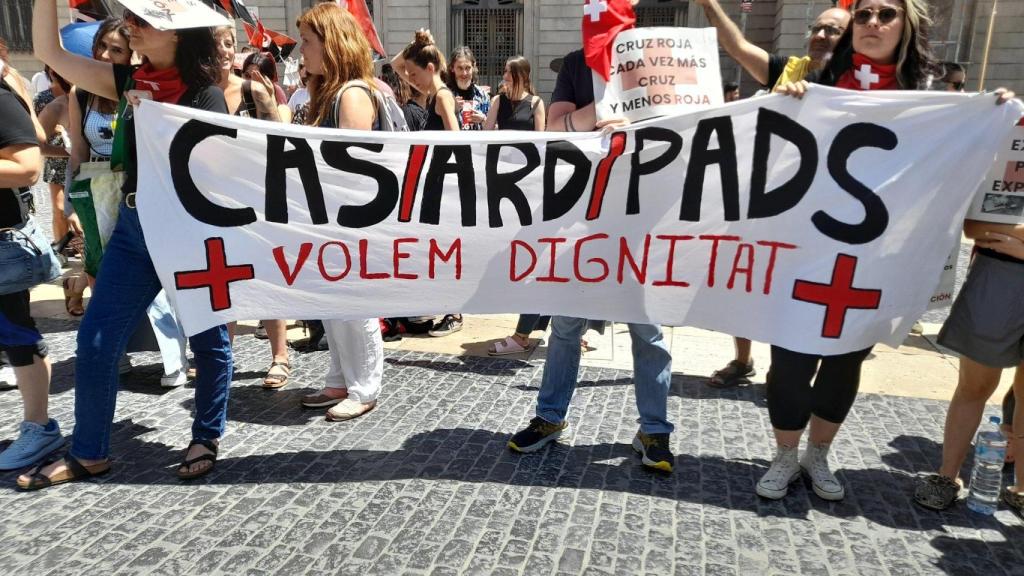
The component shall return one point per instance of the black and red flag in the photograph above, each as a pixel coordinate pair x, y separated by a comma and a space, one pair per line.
277, 44
90, 10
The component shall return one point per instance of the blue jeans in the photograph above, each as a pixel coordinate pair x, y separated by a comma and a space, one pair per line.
652, 373
126, 285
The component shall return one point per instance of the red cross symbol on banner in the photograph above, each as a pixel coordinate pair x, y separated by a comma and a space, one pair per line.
217, 277
838, 296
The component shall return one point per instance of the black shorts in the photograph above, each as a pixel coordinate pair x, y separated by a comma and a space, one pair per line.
18, 334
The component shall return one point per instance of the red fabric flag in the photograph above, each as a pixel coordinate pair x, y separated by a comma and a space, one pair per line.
602, 22
358, 9
847, 4
76, 3
262, 37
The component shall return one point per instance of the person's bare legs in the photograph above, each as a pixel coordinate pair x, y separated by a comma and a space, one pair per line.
787, 438
976, 384
1017, 439
34, 386
743, 347
60, 224
277, 333
822, 431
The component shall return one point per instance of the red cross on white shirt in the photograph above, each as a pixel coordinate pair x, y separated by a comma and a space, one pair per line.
865, 76
594, 9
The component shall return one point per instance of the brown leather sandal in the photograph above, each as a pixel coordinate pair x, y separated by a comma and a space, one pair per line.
74, 471
73, 302
274, 380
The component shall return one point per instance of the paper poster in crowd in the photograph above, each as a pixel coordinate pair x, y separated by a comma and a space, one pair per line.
176, 14
660, 72
1000, 197
795, 222
943, 295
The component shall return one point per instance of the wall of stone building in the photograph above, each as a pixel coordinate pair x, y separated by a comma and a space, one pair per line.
25, 62
1006, 55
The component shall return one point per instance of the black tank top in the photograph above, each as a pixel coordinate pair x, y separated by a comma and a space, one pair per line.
515, 115
434, 120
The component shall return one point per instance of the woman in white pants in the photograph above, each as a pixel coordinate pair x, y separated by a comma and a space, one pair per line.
357, 366
341, 97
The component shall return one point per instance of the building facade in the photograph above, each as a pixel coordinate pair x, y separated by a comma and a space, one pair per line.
545, 30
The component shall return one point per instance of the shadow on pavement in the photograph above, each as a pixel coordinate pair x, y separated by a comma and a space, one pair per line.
469, 455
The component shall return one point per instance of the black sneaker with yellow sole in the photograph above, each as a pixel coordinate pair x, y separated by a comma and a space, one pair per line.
536, 435
654, 451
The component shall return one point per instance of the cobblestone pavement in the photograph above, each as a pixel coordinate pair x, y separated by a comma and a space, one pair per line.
425, 485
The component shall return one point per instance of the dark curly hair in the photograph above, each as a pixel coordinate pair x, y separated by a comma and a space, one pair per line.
914, 60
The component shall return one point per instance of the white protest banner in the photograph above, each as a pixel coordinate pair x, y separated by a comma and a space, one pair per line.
796, 222
660, 72
1000, 197
176, 14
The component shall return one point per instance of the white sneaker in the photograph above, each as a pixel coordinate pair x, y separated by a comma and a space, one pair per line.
784, 471
174, 379
815, 464
7, 381
124, 365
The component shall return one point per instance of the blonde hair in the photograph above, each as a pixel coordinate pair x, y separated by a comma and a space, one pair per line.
424, 51
346, 56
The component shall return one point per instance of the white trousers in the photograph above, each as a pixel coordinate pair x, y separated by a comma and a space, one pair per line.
357, 357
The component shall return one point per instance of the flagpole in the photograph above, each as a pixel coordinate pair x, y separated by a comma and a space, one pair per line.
988, 44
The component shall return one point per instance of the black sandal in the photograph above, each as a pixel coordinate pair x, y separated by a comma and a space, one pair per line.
734, 374
936, 492
75, 471
1013, 500
211, 456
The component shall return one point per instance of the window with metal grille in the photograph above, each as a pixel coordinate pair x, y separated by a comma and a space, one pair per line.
16, 24
660, 13
493, 30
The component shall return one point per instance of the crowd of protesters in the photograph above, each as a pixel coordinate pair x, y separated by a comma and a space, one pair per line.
77, 134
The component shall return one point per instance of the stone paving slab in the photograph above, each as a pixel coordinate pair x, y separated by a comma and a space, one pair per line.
425, 485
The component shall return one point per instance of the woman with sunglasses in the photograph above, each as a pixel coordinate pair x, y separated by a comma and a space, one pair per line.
342, 95
180, 67
885, 48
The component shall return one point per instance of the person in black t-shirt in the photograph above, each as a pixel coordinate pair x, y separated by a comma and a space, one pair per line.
19, 338
180, 67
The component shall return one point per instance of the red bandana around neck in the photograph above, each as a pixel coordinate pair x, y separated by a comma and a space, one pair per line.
868, 75
602, 22
166, 84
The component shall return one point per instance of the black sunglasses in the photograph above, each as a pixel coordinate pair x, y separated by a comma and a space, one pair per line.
132, 19
829, 30
886, 14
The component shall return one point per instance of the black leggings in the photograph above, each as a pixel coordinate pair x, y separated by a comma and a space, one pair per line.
792, 400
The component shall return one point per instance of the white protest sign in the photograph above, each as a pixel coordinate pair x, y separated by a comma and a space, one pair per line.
176, 14
1000, 197
795, 222
660, 72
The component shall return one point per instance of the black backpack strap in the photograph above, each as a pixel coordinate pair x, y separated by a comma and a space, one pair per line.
248, 102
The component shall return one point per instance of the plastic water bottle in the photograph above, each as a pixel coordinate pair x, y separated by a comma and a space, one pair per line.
989, 453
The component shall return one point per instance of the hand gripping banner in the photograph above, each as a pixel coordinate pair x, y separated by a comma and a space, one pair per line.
820, 225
